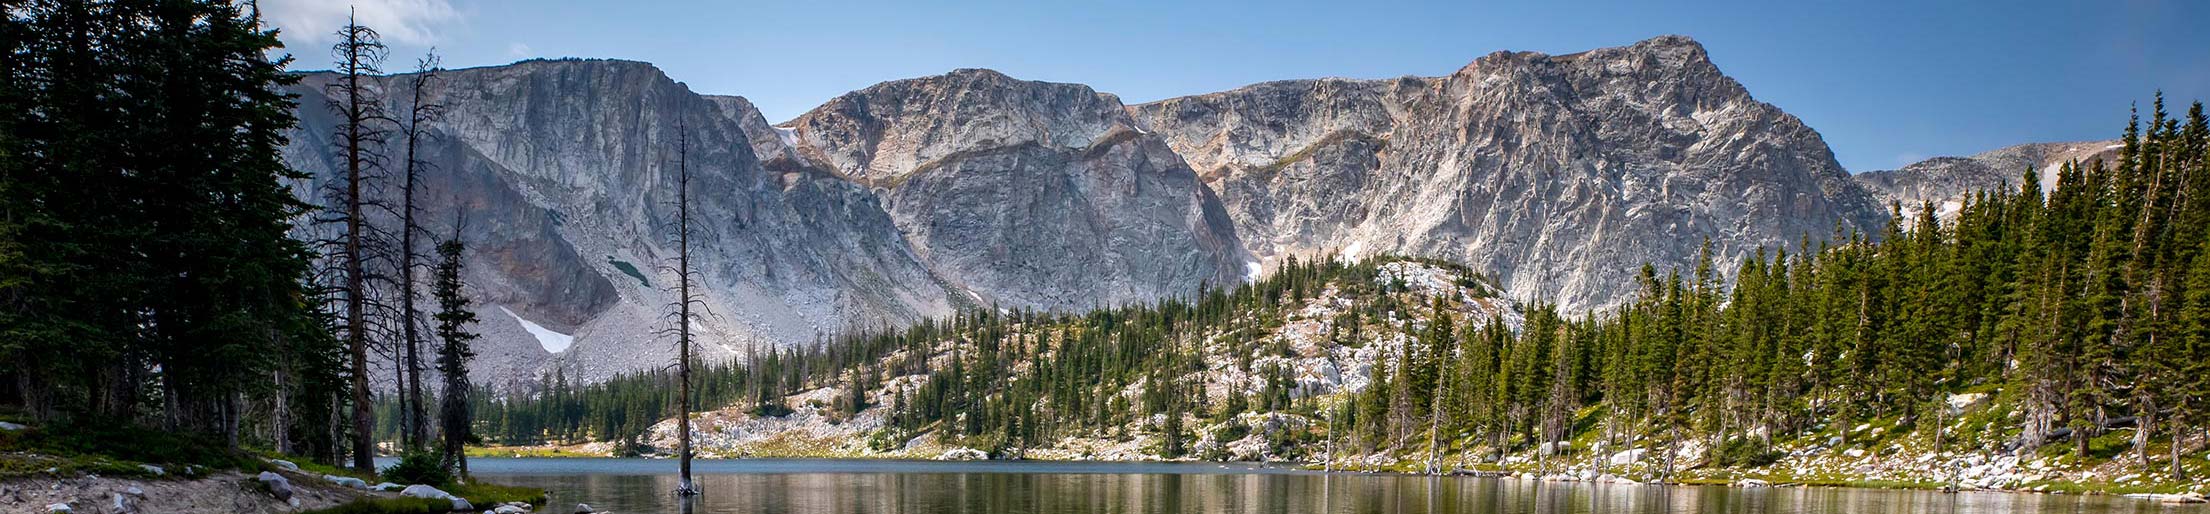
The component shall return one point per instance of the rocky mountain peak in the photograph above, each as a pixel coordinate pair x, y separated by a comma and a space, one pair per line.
1559, 175
879, 134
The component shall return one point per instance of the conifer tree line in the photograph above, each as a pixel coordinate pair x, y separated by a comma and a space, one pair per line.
2080, 309
158, 271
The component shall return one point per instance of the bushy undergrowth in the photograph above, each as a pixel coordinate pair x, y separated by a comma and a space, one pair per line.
113, 451
419, 468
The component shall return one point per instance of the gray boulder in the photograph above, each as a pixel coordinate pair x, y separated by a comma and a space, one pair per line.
277, 484
347, 481
423, 491
583, 508
59, 507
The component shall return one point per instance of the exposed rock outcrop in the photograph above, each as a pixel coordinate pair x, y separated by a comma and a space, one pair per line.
1558, 175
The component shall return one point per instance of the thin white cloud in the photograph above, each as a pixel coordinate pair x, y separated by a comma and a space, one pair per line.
406, 22
518, 50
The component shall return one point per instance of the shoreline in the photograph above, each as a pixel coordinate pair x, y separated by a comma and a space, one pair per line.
1739, 480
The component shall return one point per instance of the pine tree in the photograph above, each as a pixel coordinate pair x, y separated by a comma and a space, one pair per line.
455, 349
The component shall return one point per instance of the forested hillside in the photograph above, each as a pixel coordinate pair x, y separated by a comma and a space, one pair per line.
1013, 381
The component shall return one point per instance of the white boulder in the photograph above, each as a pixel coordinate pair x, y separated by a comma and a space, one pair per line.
1554, 448
1628, 457
963, 454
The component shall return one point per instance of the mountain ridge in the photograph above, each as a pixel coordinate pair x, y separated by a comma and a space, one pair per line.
911, 199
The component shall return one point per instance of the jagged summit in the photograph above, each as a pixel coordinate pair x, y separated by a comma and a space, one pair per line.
1559, 175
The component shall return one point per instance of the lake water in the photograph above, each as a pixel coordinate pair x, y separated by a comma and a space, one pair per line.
631, 486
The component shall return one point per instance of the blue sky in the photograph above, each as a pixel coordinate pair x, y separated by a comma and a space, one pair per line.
1887, 83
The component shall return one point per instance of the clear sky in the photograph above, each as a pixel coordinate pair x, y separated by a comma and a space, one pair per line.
1887, 83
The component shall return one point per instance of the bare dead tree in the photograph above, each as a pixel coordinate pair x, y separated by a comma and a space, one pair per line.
422, 111
685, 299
359, 55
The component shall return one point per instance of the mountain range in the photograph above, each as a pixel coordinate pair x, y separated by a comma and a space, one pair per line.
1556, 176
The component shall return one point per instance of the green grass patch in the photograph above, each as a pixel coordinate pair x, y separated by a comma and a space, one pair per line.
316, 468
486, 494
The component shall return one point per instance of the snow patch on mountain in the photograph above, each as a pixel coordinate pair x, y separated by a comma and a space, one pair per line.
552, 340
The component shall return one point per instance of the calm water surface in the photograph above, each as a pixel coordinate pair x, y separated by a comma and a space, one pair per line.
872, 486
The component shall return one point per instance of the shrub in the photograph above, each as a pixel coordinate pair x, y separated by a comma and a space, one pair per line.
419, 468
774, 409
1746, 453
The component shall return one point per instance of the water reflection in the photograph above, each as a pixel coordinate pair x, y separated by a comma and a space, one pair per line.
804, 487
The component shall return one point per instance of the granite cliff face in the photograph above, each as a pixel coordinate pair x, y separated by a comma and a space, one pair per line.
564, 172
1027, 194
1558, 175
1946, 180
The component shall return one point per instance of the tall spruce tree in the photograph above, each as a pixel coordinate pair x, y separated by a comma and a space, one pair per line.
455, 348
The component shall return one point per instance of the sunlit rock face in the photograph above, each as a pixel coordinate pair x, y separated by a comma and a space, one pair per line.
1557, 175
1028, 194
